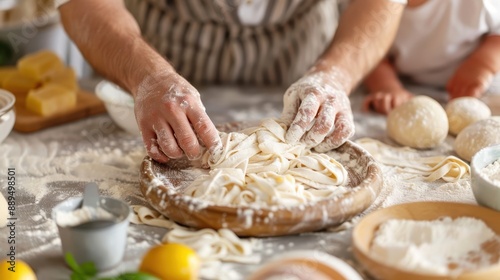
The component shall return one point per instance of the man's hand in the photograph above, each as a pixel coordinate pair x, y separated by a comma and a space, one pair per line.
172, 118
318, 112
384, 101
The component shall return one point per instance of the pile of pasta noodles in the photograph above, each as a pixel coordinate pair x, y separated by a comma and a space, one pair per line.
259, 168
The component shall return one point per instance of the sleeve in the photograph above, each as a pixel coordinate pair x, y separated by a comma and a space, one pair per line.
59, 3
492, 11
400, 1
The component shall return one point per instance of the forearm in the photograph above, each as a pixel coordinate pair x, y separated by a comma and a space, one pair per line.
383, 78
487, 55
110, 39
365, 32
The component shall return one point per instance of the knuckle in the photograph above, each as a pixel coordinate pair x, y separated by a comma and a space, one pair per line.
171, 150
189, 144
169, 105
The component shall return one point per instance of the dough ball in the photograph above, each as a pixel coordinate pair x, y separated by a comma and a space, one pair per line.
419, 123
476, 136
464, 111
3, 211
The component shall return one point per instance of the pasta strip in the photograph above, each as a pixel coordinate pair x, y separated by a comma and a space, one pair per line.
448, 168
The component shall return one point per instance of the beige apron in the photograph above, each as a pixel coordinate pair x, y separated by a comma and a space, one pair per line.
207, 42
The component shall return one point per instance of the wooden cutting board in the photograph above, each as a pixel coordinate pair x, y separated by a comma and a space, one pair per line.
88, 104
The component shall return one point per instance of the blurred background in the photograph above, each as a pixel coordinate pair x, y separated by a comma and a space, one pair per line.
30, 25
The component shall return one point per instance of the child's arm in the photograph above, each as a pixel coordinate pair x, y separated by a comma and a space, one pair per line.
475, 74
385, 90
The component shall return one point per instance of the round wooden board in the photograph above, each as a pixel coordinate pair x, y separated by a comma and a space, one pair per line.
162, 184
364, 232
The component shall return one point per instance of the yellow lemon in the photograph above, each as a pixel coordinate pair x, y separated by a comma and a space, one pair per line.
17, 270
171, 261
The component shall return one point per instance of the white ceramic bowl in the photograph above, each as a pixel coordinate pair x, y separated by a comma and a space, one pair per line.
7, 114
119, 104
485, 192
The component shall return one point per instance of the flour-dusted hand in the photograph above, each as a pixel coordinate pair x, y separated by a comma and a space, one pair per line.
172, 118
318, 111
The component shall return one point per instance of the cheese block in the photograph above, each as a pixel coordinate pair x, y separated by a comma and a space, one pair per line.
65, 77
50, 99
40, 65
18, 84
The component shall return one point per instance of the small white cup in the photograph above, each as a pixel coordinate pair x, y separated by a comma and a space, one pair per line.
485, 192
104, 246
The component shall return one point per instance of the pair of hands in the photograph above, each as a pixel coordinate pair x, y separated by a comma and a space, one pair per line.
174, 123
470, 79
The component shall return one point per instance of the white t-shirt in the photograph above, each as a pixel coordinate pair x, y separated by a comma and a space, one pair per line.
434, 38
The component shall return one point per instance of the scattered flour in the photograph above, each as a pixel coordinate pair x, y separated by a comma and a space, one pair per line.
492, 172
446, 246
403, 187
55, 164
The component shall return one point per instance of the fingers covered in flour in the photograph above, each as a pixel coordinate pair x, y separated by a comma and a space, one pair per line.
169, 110
152, 147
317, 111
343, 130
304, 118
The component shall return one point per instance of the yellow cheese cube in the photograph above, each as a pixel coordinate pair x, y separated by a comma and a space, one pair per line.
18, 84
5, 72
50, 99
65, 77
39, 65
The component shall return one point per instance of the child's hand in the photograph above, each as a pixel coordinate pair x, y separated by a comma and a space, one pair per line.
470, 79
384, 101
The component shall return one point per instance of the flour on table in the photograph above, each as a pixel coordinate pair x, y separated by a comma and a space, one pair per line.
41, 166
55, 164
492, 172
445, 247
401, 186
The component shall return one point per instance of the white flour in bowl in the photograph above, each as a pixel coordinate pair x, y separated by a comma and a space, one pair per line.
83, 215
492, 172
440, 247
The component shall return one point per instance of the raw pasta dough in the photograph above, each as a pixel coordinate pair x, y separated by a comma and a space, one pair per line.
476, 136
464, 111
419, 123
448, 168
259, 168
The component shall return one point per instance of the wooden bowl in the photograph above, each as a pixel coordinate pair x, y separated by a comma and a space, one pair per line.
364, 232
161, 185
